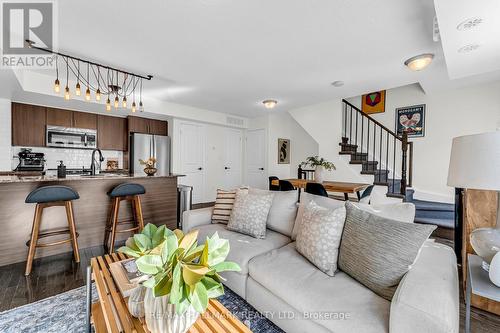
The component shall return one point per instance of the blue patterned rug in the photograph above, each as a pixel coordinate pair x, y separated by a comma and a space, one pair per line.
66, 313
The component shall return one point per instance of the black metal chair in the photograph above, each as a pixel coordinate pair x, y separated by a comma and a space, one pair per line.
316, 189
285, 185
271, 186
365, 196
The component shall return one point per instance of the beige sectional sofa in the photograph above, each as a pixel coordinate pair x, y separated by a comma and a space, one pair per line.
279, 282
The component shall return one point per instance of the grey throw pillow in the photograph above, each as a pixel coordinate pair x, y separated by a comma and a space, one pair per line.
319, 234
249, 214
377, 251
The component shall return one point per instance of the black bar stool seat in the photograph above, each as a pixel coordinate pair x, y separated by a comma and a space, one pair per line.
50, 196
130, 192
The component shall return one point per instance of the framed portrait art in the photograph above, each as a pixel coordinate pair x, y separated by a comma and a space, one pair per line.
283, 151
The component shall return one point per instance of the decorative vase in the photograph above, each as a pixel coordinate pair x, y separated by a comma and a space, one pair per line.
319, 174
486, 243
136, 302
150, 171
494, 272
161, 317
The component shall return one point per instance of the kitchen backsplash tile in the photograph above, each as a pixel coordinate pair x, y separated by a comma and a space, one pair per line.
73, 158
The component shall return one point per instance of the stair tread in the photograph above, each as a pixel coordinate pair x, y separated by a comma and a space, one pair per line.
433, 206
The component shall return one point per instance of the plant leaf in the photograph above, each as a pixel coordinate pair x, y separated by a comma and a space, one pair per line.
218, 249
199, 298
142, 242
130, 252
149, 264
149, 230
163, 287
176, 290
192, 274
227, 266
189, 239
130, 243
194, 253
179, 234
149, 283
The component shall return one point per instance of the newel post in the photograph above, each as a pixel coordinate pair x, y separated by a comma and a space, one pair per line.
404, 147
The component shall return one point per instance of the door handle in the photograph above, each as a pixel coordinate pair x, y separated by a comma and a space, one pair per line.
200, 168
261, 169
227, 168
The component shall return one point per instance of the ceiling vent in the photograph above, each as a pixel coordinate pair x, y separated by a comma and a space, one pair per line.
468, 48
235, 121
469, 23
435, 30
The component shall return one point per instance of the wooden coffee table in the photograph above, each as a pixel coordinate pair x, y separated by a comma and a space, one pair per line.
110, 313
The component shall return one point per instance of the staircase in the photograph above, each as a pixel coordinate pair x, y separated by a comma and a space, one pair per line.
386, 155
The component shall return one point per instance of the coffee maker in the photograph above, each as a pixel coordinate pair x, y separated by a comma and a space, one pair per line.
30, 161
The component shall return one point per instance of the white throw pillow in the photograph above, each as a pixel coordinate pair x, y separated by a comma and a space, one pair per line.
401, 211
249, 215
283, 210
319, 235
324, 202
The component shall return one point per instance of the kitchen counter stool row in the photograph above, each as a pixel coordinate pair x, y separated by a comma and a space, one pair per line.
58, 195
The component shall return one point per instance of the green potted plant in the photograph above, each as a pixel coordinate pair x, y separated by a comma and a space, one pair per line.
183, 275
320, 165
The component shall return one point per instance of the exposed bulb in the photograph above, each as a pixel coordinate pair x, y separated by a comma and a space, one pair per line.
66, 93
124, 103
98, 95
108, 105
87, 94
116, 102
78, 92
57, 86
133, 107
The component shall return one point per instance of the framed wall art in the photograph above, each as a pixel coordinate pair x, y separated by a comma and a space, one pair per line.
283, 151
411, 119
373, 102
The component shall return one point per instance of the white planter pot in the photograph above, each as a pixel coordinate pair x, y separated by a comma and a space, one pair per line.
495, 270
161, 317
319, 174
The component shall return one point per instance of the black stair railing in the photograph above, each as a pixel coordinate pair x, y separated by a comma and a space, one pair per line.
381, 151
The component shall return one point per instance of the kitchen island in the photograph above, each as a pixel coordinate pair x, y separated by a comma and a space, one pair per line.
159, 206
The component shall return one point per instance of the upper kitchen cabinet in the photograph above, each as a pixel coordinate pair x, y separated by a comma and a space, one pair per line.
65, 118
147, 126
111, 133
28, 125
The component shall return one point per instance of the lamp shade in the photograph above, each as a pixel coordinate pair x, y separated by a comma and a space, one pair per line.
475, 162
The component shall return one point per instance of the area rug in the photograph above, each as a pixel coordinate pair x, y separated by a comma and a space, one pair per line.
66, 313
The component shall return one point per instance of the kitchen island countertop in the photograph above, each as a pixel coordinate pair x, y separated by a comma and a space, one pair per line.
104, 176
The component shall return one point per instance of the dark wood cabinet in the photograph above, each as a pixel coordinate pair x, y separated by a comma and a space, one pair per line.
147, 126
58, 117
28, 125
112, 133
84, 120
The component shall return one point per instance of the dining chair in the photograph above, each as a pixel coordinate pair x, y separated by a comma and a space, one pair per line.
271, 186
366, 195
285, 185
316, 189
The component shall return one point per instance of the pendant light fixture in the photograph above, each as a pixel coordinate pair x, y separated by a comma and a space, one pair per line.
116, 83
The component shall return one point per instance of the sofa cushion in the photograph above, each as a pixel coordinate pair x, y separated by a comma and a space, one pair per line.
223, 206
401, 211
305, 198
319, 235
292, 278
377, 251
249, 215
243, 247
283, 211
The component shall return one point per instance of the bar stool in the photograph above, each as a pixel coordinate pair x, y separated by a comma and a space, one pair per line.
50, 196
130, 192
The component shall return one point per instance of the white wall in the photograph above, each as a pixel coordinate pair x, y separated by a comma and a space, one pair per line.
449, 114
5, 135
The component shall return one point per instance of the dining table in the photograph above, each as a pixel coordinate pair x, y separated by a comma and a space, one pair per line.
330, 186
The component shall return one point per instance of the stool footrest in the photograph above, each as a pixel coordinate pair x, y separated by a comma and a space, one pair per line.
53, 233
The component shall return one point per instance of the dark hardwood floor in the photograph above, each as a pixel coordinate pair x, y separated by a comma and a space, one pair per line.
57, 274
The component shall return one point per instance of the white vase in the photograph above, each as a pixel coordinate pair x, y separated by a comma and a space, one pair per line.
136, 302
495, 270
161, 317
319, 174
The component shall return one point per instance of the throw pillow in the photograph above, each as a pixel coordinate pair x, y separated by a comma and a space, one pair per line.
283, 210
378, 251
223, 206
305, 198
319, 235
249, 215
401, 211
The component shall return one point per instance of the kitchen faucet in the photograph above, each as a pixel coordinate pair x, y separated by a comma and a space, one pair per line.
95, 168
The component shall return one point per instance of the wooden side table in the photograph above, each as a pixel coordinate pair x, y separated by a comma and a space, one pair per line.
478, 283
110, 313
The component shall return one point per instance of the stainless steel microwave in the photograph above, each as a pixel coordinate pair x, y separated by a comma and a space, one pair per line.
67, 137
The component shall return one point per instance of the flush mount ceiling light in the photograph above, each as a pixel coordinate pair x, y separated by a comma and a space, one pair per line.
468, 48
417, 63
105, 80
337, 83
269, 103
469, 23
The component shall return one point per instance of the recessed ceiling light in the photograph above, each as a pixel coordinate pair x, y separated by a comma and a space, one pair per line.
469, 23
269, 103
468, 48
337, 83
417, 63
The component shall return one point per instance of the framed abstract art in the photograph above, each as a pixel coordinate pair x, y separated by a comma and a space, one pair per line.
373, 102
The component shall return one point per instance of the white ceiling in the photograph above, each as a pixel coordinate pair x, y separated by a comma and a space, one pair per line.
228, 56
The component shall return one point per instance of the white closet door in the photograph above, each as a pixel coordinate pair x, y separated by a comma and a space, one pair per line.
233, 158
192, 143
256, 173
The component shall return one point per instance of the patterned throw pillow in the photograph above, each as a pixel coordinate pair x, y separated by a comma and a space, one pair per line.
319, 234
249, 215
223, 206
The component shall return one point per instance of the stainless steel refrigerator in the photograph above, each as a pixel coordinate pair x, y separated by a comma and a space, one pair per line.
144, 146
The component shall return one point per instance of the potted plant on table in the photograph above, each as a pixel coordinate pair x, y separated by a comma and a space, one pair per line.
149, 166
320, 165
183, 275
